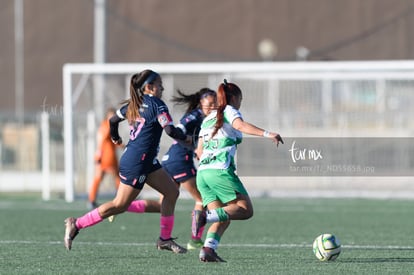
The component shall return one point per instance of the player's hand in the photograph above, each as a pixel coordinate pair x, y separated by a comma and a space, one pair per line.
276, 138
189, 140
98, 156
279, 139
187, 143
117, 142
197, 154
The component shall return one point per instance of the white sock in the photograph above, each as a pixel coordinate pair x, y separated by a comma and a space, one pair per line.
211, 243
212, 216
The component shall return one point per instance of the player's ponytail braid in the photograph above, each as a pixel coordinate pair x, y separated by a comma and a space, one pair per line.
191, 100
135, 100
221, 105
224, 94
136, 91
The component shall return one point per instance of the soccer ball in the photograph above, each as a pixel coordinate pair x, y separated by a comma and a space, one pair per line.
326, 247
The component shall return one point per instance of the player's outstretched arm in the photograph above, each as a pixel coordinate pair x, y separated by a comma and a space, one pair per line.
250, 129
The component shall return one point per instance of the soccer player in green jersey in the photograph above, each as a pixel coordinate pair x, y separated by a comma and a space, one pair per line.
222, 192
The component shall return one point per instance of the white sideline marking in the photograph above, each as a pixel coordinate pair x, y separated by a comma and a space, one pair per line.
379, 247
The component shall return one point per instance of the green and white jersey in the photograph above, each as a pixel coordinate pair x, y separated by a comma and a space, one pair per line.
219, 151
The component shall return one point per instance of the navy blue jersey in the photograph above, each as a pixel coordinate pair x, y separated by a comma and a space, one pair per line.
144, 139
190, 122
190, 125
178, 161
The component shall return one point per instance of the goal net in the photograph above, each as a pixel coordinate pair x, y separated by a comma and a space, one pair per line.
314, 100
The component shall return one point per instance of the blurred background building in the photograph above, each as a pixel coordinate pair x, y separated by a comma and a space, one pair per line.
40, 36
58, 31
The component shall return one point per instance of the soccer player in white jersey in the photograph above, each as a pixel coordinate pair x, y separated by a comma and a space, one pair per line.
221, 189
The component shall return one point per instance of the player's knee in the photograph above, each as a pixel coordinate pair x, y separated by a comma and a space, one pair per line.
172, 195
175, 194
247, 213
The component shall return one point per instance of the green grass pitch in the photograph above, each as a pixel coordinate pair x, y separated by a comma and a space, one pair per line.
376, 235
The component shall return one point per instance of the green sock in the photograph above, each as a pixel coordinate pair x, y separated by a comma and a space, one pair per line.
222, 215
213, 235
217, 215
212, 240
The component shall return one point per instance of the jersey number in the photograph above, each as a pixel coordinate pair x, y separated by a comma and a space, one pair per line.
211, 144
136, 128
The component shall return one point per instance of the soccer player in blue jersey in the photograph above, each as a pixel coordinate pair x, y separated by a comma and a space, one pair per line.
221, 189
147, 116
179, 159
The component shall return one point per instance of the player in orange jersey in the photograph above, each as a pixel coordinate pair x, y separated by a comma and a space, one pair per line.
105, 158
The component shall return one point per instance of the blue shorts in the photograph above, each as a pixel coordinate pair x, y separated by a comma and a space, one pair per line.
180, 170
134, 171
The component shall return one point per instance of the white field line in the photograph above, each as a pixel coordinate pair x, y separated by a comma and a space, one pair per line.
367, 247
